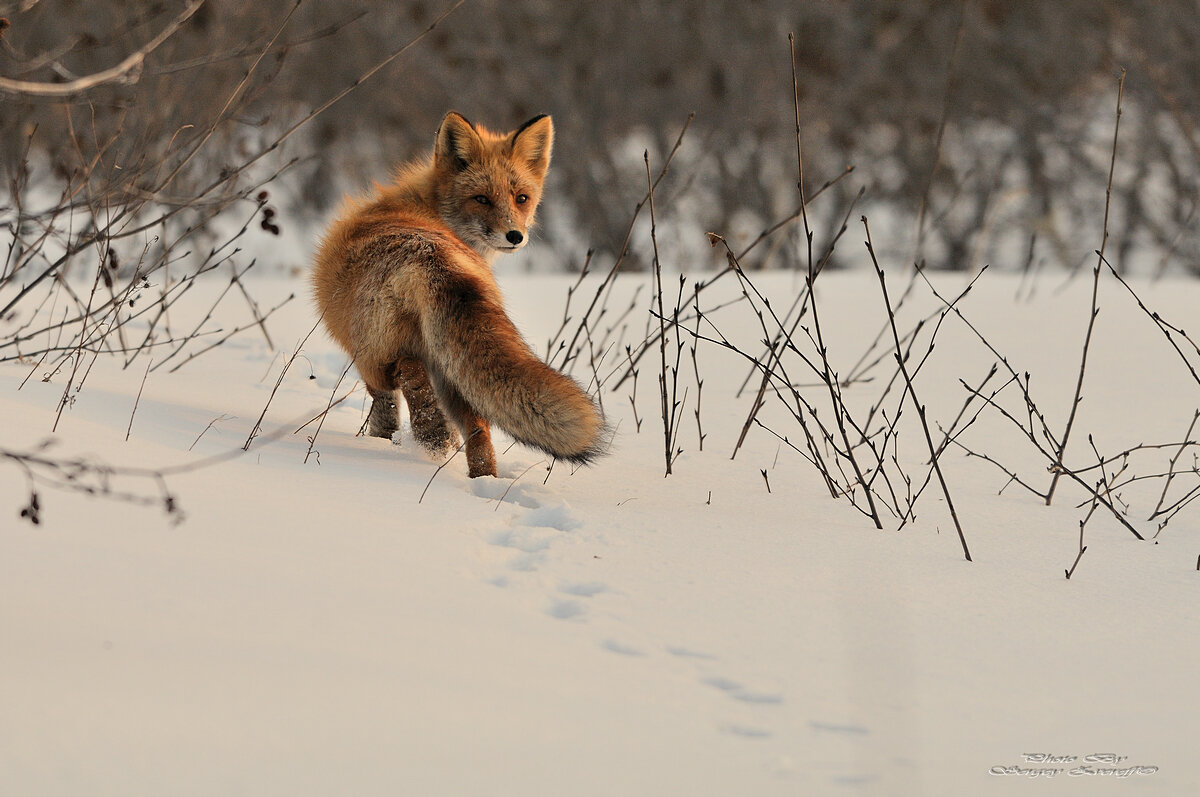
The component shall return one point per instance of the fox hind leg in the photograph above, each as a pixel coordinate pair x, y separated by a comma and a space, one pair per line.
428, 423
481, 457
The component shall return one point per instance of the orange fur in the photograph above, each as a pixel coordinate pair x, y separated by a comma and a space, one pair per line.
403, 284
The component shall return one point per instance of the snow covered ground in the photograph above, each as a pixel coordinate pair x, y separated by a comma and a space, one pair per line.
318, 628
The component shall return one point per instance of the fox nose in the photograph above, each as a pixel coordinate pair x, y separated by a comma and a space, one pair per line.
514, 237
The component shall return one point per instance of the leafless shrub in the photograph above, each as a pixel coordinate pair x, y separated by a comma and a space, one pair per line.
860, 447
1001, 96
159, 152
44, 469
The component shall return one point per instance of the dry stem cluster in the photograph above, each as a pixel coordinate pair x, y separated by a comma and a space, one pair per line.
857, 446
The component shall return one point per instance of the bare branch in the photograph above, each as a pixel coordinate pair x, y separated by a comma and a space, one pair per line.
128, 71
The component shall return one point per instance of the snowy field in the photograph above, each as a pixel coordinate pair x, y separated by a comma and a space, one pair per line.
318, 628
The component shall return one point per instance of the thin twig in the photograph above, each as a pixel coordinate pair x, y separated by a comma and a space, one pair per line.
282, 373
446, 462
137, 401
912, 394
312, 441
1112, 165
667, 416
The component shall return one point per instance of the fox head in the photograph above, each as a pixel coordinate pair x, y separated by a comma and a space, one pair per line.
488, 185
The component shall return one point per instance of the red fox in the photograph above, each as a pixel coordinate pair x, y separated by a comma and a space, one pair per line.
403, 284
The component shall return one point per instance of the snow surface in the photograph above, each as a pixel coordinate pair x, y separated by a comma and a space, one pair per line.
316, 628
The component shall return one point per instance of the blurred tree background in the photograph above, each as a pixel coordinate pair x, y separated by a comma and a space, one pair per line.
1025, 90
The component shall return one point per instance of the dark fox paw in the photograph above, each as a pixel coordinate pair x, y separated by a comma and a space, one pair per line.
439, 442
431, 431
384, 418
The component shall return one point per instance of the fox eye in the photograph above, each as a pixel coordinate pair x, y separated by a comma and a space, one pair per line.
483, 200
522, 199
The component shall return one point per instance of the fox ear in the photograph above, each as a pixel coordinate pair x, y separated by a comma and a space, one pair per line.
531, 143
458, 144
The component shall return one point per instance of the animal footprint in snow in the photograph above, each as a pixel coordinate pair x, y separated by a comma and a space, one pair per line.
525, 540
558, 517
565, 609
746, 732
625, 650
504, 491
555, 515
739, 692
584, 589
568, 609
835, 727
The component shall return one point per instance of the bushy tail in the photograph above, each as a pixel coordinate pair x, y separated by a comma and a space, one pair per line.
477, 350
